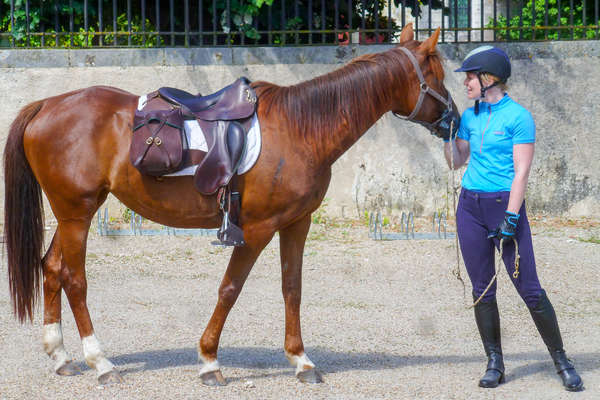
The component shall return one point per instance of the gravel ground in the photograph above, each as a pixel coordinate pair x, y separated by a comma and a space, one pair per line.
380, 320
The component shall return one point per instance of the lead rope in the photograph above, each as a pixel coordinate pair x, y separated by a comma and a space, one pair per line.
456, 270
515, 274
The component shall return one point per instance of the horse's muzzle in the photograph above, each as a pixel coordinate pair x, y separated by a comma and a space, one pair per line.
447, 125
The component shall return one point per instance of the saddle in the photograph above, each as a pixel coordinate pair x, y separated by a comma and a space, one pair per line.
159, 144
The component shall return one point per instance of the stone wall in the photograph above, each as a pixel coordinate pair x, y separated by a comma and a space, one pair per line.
396, 165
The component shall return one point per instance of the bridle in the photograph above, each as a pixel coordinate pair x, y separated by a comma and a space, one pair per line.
442, 122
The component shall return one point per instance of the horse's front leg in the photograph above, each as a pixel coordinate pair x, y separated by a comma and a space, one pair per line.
241, 262
52, 337
73, 237
292, 240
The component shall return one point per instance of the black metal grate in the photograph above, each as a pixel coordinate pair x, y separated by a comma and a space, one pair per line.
196, 23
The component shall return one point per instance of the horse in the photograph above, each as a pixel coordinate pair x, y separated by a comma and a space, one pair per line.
74, 148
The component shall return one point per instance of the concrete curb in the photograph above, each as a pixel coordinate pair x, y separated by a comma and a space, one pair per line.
179, 56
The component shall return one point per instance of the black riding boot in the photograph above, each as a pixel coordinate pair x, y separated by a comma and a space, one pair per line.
488, 322
545, 320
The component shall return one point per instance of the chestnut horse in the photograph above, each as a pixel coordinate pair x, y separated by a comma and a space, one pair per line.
74, 147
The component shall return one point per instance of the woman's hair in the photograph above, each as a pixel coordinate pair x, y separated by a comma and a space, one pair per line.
485, 76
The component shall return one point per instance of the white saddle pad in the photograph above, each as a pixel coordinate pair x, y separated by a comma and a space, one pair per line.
196, 139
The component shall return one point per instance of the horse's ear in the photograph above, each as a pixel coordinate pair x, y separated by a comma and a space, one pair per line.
428, 46
407, 33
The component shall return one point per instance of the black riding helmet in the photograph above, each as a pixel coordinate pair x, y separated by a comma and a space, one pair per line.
486, 59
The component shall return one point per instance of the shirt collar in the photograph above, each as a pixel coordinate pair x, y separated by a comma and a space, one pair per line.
500, 104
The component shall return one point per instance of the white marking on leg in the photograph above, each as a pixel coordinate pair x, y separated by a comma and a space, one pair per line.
208, 366
52, 339
301, 362
94, 356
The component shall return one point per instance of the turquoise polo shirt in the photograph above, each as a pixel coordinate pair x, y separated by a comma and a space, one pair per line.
491, 135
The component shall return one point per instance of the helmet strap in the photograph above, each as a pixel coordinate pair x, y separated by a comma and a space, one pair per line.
483, 90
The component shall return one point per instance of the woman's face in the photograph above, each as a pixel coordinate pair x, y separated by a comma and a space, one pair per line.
473, 86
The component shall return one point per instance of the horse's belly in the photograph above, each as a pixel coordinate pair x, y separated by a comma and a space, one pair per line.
169, 201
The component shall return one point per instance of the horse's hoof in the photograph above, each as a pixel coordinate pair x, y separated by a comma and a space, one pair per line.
310, 376
69, 369
213, 378
110, 377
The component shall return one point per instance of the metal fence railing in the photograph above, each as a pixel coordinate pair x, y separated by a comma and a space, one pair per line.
161, 23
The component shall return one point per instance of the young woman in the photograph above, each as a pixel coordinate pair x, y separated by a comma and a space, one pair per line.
497, 136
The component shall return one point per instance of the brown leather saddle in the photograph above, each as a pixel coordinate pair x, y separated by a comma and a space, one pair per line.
159, 144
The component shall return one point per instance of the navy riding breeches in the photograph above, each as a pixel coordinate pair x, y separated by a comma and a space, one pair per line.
477, 214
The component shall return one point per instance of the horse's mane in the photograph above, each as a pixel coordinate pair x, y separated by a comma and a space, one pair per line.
352, 95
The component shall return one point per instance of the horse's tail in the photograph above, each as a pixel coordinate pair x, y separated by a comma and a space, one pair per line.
23, 219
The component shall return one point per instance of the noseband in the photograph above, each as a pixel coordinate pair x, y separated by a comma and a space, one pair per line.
425, 89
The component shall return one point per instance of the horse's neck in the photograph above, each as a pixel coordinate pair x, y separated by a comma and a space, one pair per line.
350, 129
330, 113
351, 112
346, 135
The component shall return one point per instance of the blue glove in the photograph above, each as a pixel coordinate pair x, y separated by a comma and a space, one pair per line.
508, 227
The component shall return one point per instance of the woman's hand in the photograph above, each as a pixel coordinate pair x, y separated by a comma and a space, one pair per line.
507, 228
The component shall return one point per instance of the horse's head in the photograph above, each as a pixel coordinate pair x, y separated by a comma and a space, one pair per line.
428, 101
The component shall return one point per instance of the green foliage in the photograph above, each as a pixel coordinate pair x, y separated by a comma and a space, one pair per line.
144, 39
593, 239
535, 27
45, 16
320, 215
232, 22
38, 20
126, 215
242, 16
366, 218
248, 17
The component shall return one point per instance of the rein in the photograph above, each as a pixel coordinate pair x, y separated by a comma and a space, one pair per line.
456, 271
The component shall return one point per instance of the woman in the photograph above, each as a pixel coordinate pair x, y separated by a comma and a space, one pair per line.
498, 136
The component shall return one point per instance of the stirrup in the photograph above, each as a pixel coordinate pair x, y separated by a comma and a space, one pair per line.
229, 234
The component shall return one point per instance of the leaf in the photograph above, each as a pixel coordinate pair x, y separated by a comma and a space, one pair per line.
259, 3
252, 34
237, 19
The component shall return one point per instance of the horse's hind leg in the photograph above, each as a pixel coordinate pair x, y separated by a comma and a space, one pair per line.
73, 237
292, 239
52, 338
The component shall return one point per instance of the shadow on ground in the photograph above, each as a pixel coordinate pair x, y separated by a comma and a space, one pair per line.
331, 362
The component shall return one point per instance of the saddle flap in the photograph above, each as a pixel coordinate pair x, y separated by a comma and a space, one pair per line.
215, 169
